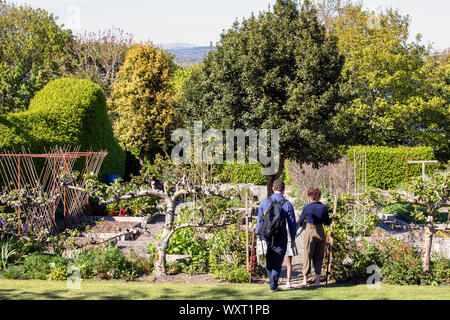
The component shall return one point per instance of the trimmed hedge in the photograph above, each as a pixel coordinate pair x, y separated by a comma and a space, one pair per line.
385, 172
248, 173
241, 173
66, 112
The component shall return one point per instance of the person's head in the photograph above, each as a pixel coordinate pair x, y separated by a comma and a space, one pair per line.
314, 194
278, 186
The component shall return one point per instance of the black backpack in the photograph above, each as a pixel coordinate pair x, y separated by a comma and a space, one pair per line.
271, 223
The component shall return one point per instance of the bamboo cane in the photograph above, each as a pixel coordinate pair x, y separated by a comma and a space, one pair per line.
252, 256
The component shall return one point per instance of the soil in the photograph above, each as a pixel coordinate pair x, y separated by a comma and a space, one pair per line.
111, 227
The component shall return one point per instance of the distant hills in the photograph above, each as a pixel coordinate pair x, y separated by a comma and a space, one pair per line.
186, 54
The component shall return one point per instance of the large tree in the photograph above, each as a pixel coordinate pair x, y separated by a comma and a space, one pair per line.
96, 56
400, 91
30, 41
279, 69
142, 101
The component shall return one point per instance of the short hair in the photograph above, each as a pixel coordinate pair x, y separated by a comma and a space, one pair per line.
278, 185
314, 193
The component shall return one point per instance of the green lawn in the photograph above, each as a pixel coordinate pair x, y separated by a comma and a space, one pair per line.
41, 289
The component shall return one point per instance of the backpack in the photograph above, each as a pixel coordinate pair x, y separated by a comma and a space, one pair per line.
271, 223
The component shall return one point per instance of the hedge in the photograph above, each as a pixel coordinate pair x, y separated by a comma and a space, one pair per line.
385, 172
247, 173
241, 173
66, 112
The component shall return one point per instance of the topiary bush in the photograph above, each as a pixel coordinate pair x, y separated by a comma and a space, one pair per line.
66, 112
385, 172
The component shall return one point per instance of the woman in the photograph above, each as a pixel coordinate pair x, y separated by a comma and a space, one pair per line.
314, 216
291, 251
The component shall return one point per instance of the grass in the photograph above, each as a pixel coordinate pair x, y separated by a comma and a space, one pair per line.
55, 290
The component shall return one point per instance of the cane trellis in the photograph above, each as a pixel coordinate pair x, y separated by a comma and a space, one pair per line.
18, 171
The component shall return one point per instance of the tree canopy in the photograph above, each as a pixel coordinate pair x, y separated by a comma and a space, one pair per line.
141, 101
400, 91
30, 40
277, 69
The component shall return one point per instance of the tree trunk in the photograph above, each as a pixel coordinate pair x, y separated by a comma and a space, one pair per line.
427, 243
271, 179
160, 263
162, 245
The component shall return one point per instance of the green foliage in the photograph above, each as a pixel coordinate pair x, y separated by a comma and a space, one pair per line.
105, 263
227, 254
58, 273
278, 69
350, 260
136, 207
403, 212
440, 270
38, 266
186, 241
286, 174
232, 273
241, 173
385, 172
67, 112
141, 101
13, 272
31, 41
414, 214
6, 252
399, 89
402, 264
16, 249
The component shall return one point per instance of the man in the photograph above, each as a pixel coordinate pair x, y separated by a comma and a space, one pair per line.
276, 249
314, 216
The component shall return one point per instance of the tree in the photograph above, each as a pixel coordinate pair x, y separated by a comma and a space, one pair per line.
96, 56
141, 101
327, 10
169, 183
431, 193
279, 69
399, 90
30, 40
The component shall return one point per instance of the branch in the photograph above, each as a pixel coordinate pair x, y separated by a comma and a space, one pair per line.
142, 193
199, 225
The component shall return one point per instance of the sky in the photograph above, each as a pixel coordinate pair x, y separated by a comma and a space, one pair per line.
200, 22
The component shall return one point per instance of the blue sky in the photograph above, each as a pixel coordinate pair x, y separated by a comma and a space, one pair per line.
201, 21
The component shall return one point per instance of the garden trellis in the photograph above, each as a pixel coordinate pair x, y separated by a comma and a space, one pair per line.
19, 172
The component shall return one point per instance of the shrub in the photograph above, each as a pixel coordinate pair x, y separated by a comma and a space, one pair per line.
105, 263
12, 273
38, 266
439, 270
66, 112
186, 241
227, 254
58, 273
241, 173
351, 262
385, 172
402, 264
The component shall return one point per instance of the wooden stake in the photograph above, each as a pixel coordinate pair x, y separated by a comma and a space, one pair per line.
246, 233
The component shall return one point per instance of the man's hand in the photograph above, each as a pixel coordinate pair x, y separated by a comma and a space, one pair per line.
292, 244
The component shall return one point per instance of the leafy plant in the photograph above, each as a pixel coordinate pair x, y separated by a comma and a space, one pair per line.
227, 254
38, 266
402, 263
6, 252
105, 263
440, 270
